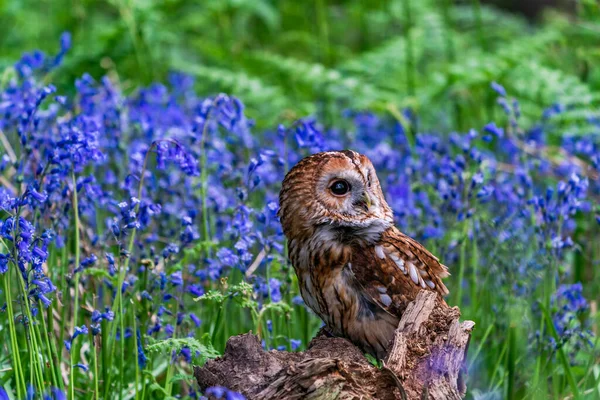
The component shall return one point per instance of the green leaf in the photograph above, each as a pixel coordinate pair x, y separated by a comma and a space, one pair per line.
202, 349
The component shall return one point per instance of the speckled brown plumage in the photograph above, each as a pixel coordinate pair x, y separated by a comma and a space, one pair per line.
355, 269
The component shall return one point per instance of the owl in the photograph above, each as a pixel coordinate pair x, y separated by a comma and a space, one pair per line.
355, 269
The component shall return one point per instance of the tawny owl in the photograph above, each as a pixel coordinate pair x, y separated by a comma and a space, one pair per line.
355, 269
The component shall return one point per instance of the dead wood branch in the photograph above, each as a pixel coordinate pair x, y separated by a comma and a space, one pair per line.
426, 360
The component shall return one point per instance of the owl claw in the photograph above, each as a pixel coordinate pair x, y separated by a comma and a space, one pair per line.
324, 331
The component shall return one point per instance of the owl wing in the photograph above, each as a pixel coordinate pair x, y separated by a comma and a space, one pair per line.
393, 271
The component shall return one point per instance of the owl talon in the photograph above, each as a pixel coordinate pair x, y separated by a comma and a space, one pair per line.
324, 331
396, 379
327, 332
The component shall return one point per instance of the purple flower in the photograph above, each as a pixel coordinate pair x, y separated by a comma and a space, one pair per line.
494, 130
97, 316
142, 359
83, 367
195, 320
498, 89
220, 392
82, 330
4, 259
55, 394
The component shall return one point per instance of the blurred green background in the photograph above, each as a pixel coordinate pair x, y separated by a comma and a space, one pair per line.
290, 58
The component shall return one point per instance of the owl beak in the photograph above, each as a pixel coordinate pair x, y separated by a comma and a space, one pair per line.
366, 201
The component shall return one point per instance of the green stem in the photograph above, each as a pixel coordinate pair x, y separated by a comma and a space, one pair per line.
94, 351
409, 129
168, 384
34, 347
50, 371
76, 236
462, 262
474, 265
121, 349
511, 362
35, 370
561, 354
204, 186
54, 348
135, 345
215, 327
497, 366
118, 304
481, 343
105, 355
63, 311
20, 378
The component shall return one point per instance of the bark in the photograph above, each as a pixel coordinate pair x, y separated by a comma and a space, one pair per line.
426, 361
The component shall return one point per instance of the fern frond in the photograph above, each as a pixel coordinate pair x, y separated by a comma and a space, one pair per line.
320, 80
204, 350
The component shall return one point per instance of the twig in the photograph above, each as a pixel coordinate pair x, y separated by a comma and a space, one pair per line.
6, 183
544, 152
7, 147
263, 253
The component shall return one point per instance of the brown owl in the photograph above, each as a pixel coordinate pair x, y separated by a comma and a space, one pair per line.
355, 269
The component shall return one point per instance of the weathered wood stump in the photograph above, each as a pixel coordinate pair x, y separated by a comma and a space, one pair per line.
426, 361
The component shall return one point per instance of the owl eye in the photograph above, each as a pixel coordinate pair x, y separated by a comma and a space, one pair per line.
340, 187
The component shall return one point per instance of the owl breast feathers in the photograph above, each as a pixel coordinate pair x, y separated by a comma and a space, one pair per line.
355, 269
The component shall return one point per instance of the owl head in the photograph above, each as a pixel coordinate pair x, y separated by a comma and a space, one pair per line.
331, 190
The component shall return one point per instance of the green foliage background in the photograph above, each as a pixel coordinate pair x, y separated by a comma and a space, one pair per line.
280, 56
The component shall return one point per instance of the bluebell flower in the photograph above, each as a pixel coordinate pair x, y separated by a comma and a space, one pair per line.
86, 263
197, 322
83, 367
227, 257
127, 335
498, 89
96, 329
186, 354
494, 130
568, 305
298, 301
111, 264
169, 330
35, 195
55, 394
275, 290
195, 290
146, 296
4, 259
97, 316
308, 135
142, 359
82, 330
30, 395
220, 392
176, 278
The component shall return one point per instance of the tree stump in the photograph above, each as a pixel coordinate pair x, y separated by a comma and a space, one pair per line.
426, 361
